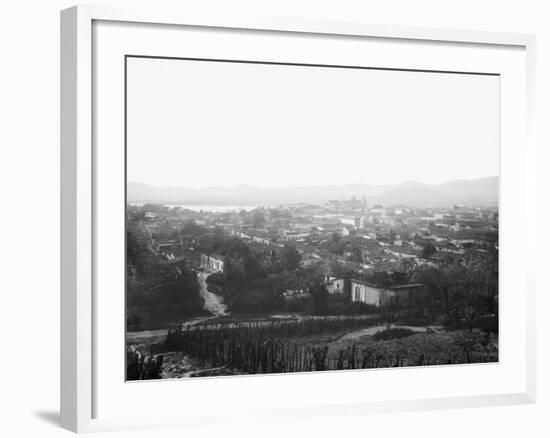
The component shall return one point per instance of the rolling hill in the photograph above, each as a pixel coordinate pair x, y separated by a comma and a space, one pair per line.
482, 191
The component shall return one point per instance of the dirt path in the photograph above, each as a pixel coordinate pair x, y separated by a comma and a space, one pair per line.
149, 336
146, 336
212, 302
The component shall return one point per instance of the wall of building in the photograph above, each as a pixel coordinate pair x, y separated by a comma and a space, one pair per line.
210, 262
363, 293
340, 286
380, 296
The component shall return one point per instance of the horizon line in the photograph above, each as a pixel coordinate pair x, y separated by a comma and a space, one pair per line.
312, 185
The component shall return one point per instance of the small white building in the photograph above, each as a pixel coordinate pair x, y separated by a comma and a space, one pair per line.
214, 263
378, 296
347, 220
294, 236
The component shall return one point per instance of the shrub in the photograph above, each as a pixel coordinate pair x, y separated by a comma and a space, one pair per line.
393, 333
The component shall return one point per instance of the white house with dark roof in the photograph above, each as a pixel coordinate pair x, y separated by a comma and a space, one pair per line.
402, 295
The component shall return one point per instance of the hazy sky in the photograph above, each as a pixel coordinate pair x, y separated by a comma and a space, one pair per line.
197, 124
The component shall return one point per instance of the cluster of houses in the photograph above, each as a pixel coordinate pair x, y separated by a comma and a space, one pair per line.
344, 232
310, 229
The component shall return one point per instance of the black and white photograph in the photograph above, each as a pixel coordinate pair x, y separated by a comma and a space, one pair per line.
275, 219
290, 218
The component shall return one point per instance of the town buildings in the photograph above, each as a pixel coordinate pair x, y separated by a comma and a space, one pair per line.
338, 238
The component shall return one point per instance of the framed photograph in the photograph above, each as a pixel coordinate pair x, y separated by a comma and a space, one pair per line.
263, 207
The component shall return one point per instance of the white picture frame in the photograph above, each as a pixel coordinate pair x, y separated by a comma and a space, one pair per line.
79, 199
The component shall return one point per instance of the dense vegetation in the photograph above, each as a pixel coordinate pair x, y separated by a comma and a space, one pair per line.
157, 293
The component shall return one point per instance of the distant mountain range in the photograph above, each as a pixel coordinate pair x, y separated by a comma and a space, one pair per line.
482, 191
